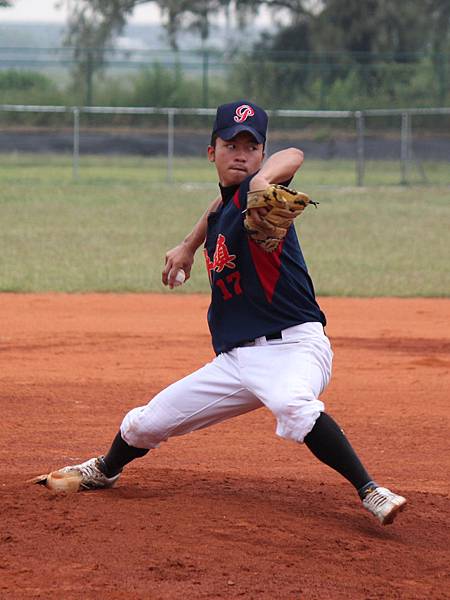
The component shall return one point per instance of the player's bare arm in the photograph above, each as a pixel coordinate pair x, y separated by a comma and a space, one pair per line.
182, 255
279, 167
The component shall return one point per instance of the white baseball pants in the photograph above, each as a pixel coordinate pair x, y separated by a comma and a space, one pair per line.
287, 376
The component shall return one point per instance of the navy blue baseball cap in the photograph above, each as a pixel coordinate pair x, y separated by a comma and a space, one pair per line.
238, 116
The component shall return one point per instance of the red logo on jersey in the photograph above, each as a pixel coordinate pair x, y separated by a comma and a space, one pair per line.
222, 258
243, 112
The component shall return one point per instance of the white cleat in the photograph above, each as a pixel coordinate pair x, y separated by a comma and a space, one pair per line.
384, 504
91, 476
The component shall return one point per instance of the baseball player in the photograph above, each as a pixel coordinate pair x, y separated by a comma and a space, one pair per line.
266, 325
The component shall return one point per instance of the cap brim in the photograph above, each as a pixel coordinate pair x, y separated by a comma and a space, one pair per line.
230, 132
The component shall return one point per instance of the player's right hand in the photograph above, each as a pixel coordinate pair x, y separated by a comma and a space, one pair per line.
180, 257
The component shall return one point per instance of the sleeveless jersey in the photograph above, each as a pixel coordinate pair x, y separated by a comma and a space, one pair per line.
253, 292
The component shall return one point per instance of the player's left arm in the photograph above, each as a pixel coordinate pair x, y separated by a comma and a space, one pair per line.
278, 168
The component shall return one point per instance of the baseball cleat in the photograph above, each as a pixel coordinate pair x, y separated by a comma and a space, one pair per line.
92, 477
384, 504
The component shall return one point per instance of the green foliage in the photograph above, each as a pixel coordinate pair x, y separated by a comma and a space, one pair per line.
158, 86
24, 80
373, 26
361, 31
331, 55
92, 24
304, 84
338, 83
28, 87
114, 91
377, 44
16, 80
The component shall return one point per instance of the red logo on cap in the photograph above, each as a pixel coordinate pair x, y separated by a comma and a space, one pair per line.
243, 112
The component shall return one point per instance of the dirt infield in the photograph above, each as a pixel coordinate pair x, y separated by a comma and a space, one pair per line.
231, 511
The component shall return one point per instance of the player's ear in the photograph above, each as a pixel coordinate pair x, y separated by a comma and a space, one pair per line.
211, 153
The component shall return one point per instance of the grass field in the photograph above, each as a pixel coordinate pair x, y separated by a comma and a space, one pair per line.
109, 231
134, 170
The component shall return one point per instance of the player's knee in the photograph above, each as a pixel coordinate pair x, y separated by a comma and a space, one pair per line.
296, 417
140, 430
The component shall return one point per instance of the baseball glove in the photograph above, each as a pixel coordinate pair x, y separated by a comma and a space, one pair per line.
282, 205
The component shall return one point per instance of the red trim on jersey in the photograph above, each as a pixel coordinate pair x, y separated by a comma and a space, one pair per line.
267, 265
236, 199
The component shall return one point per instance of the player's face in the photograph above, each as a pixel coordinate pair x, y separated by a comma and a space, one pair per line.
237, 158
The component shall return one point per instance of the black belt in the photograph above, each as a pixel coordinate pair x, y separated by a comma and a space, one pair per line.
274, 336
271, 336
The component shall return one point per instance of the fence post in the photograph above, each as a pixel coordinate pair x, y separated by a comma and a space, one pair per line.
170, 144
89, 75
360, 162
76, 143
442, 71
322, 68
405, 153
205, 79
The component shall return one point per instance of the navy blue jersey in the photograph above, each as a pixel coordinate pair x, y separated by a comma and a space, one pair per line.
254, 292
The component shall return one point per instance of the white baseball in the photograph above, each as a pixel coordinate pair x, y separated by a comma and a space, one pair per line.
180, 278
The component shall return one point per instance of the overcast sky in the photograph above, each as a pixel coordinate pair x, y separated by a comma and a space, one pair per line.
45, 11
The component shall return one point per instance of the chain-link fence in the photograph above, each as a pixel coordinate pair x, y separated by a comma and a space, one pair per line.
374, 147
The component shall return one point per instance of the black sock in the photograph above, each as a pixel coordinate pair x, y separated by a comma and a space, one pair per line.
328, 443
119, 455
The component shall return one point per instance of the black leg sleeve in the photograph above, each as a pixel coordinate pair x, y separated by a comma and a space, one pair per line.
328, 443
119, 455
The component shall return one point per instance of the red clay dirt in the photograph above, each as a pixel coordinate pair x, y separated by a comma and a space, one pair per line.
231, 511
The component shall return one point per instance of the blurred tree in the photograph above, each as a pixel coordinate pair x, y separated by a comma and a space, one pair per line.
110, 16
367, 34
439, 14
335, 33
94, 23
374, 26
371, 26
91, 25
5, 3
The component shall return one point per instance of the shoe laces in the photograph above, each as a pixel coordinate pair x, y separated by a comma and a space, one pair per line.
91, 470
378, 498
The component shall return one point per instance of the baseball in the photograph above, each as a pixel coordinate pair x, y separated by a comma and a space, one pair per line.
179, 278
63, 482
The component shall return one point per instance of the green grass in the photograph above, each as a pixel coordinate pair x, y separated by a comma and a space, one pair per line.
134, 170
110, 230
388, 241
